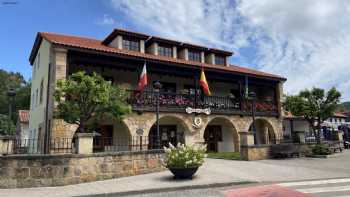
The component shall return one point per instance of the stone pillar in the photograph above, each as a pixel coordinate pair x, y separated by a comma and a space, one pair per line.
6, 144
202, 57
142, 46
227, 61
279, 96
246, 138
266, 135
300, 136
119, 42
84, 143
340, 136
210, 59
183, 54
174, 52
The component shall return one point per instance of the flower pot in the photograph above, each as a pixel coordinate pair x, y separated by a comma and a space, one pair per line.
183, 173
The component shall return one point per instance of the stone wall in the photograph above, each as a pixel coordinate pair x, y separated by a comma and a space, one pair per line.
256, 152
56, 170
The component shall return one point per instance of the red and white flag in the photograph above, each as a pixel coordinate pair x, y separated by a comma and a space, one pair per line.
143, 79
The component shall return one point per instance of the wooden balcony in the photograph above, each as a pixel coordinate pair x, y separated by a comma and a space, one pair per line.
174, 102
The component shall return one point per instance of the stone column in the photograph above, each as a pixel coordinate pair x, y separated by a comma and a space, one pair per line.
119, 42
340, 136
6, 144
300, 136
246, 138
202, 57
174, 52
142, 46
266, 135
84, 143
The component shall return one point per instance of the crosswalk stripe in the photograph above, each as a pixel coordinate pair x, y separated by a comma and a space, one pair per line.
325, 189
320, 182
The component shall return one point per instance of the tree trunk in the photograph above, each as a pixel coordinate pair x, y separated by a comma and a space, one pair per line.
319, 131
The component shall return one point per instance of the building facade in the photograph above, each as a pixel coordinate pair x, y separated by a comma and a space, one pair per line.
223, 120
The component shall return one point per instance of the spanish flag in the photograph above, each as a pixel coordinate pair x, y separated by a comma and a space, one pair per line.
204, 84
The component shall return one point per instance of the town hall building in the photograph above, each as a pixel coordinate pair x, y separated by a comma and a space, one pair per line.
222, 120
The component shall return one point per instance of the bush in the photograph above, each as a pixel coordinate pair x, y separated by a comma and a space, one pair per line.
321, 149
183, 156
6, 125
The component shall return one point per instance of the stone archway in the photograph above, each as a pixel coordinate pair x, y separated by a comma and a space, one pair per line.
173, 129
221, 135
265, 132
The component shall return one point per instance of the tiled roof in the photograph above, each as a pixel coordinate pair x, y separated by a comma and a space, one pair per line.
339, 115
96, 45
23, 115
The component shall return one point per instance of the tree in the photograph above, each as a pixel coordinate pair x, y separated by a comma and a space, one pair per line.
6, 125
82, 97
11, 80
314, 105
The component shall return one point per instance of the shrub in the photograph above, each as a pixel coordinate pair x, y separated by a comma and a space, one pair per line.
321, 149
183, 156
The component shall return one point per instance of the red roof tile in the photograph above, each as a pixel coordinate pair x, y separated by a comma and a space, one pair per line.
23, 115
96, 45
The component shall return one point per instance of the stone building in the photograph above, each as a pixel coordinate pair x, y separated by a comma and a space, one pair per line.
222, 120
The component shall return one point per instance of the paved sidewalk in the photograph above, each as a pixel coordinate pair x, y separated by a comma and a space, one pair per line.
213, 173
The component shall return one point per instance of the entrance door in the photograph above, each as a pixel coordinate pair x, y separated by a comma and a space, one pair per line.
212, 135
105, 138
168, 134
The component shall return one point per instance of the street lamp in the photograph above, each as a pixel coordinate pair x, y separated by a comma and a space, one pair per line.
157, 86
11, 93
252, 97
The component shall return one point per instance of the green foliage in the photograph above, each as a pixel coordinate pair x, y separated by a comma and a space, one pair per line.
82, 97
6, 126
313, 105
11, 80
225, 155
321, 149
184, 156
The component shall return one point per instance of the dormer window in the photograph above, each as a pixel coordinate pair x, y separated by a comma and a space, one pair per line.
194, 55
131, 44
165, 51
219, 60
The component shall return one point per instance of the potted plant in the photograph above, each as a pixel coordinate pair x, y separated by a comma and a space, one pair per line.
183, 161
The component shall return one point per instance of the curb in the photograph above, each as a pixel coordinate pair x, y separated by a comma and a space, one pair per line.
169, 189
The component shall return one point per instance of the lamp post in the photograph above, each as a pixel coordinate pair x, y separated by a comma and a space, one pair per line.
11, 93
157, 86
252, 97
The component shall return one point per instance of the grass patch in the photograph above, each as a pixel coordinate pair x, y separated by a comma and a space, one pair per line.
225, 155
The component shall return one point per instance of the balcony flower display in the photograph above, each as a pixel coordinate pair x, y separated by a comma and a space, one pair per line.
183, 160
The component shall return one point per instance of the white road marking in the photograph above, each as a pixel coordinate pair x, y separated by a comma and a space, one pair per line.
320, 182
325, 189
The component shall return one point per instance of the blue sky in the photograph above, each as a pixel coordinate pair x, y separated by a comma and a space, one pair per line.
305, 41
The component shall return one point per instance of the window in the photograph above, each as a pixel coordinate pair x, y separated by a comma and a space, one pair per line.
194, 56
168, 87
165, 51
130, 44
36, 97
41, 91
219, 60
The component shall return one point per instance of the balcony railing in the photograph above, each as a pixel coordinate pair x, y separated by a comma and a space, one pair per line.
147, 100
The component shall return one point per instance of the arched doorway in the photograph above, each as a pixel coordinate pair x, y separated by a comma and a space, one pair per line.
220, 135
171, 130
265, 133
112, 136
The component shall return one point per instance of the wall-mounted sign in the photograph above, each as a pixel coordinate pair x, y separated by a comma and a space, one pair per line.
197, 122
190, 110
139, 131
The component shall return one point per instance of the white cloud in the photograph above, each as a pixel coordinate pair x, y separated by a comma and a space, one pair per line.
305, 41
106, 20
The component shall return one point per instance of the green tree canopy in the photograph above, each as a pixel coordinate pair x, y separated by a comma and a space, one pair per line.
82, 97
11, 80
6, 125
314, 105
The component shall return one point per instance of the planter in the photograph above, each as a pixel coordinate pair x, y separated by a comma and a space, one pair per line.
183, 173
